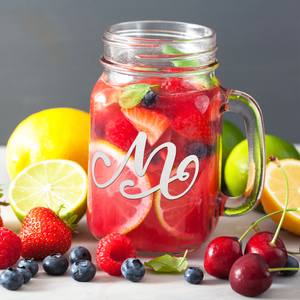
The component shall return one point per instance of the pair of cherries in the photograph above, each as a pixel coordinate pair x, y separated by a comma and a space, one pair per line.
265, 254
248, 274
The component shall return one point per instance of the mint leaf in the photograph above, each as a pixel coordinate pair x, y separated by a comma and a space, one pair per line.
133, 94
168, 263
169, 50
202, 79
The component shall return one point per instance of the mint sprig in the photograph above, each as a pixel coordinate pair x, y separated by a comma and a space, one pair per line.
133, 94
168, 263
202, 79
169, 50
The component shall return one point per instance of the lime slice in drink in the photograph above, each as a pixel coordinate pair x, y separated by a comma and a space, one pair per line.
50, 183
187, 217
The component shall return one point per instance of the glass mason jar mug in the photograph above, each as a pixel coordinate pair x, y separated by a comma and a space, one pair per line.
155, 140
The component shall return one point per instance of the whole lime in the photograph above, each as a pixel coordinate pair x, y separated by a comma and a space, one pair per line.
236, 167
231, 136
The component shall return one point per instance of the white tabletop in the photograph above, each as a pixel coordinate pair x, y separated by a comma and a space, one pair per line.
153, 285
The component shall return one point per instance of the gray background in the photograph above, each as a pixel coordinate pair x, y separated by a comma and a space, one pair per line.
49, 52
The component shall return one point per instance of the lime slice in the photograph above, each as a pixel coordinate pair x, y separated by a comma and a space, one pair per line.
50, 183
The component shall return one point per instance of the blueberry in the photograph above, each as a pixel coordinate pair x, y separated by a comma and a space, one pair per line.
132, 269
26, 273
193, 275
55, 264
11, 279
290, 263
31, 264
79, 253
211, 149
83, 270
149, 100
196, 148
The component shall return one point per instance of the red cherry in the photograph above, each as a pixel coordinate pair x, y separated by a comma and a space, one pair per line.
249, 275
220, 255
275, 256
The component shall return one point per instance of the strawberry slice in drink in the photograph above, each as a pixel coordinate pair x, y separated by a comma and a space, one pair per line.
195, 126
152, 123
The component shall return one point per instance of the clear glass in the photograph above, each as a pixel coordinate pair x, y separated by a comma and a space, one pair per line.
155, 144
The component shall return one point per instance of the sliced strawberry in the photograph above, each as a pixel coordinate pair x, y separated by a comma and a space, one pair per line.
120, 132
193, 125
152, 123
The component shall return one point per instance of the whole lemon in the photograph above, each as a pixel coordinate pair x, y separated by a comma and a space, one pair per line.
56, 133
236, 167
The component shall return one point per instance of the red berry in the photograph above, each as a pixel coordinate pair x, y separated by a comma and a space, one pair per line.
249, 275
112, 250
193, 125
275, 256
10, 248
175, 86
1, 222
120, 132
43, 233
220, 255
152, 123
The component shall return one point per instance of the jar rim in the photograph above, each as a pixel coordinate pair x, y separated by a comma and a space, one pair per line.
159, 46
135, 32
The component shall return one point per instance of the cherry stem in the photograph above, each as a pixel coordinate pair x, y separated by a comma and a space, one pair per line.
283, 269
274, 159
291, 252
266, 216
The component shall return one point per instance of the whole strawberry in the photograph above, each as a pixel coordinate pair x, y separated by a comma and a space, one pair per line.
10, 248
43, 232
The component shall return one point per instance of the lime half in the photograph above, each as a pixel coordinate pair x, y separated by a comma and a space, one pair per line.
50, 183
236, 167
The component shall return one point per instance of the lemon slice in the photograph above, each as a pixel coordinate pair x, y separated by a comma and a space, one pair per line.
50, 183
108, 210
274, 193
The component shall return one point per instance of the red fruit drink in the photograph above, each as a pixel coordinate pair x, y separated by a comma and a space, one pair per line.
155, 146
182, 113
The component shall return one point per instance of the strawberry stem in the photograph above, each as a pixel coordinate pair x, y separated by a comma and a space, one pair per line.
275, 160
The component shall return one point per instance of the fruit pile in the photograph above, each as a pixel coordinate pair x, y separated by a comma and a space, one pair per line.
47, 235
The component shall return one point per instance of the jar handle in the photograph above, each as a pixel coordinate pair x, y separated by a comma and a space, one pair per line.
247, 107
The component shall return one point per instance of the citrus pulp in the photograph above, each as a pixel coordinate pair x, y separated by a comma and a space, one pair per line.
49, 183
274, 193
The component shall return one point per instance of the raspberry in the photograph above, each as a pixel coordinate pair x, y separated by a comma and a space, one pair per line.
10, 248
175, 86
112, 250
